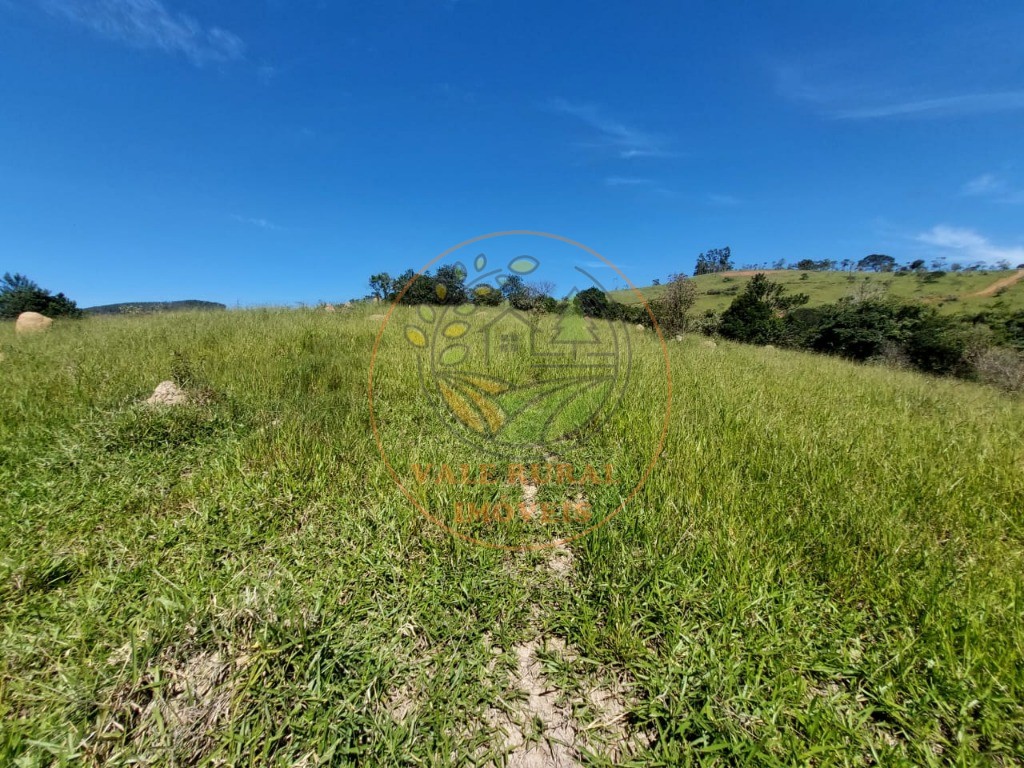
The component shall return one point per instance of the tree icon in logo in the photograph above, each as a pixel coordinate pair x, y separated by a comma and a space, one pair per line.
512, 379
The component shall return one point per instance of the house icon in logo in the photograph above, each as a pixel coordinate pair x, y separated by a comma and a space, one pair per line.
514, 332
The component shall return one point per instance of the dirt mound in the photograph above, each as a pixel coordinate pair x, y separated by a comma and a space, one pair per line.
167, 393
32, 322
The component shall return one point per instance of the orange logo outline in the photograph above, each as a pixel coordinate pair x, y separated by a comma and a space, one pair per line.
647, 470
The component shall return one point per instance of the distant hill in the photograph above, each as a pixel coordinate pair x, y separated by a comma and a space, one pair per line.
151, 307
950, 292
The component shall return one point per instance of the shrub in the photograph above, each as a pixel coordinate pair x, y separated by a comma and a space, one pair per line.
706, 323
1000, 367
673, 306
486, 296
858, 330
756, 315
933, 344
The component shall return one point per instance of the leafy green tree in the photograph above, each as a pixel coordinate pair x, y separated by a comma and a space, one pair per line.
447, 286
450, 284
419, 289
382, 286
756, 316
877, 262
593, 302
513, 289
810, 265
673, 306
714, 260
19, 294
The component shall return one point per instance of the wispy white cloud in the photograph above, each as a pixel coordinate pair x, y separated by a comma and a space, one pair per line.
255, 222
993, 187
149, 24
846, 100
986, 184
724, 200
624, 141
943, 106
627, 181
971, 245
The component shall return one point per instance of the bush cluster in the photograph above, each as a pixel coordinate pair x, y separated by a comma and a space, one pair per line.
867, 328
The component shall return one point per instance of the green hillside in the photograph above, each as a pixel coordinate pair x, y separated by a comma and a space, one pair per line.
823, 567
952, 292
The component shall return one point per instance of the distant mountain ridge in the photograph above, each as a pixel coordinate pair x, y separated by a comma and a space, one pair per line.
151, 307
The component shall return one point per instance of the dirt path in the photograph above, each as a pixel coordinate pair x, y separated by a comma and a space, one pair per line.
749, 272
1006, 282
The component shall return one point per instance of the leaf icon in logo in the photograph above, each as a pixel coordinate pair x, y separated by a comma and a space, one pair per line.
486, 384
469, 398
523, 265
480, 263
442, 291
462, 407
455, 330
454, 354
415, 336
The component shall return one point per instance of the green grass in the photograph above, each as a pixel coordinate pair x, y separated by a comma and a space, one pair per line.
824, 568
951, 294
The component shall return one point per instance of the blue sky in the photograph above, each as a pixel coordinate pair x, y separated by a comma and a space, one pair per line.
276, 151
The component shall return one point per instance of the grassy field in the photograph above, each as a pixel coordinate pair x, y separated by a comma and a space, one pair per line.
824, 568
953, 293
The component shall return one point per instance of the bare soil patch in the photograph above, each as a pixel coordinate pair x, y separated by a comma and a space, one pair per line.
1006, 282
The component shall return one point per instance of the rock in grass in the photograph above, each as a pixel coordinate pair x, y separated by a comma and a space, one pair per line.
167, 393
32, 322
709, 343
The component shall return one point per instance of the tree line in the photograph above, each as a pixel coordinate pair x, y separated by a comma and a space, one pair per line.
865, 327
446, 286
720, 260
19, 294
